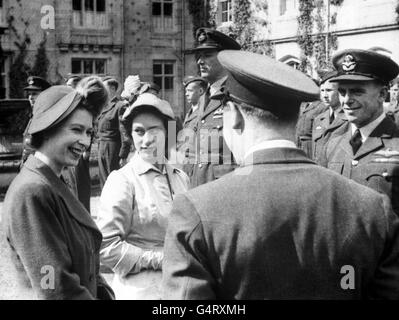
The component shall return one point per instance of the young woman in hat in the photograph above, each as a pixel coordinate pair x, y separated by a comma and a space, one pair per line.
53, 240
136, 201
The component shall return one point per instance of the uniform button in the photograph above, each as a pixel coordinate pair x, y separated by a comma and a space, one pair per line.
385, 174
355, 162
200, 165
218, 127
202, 121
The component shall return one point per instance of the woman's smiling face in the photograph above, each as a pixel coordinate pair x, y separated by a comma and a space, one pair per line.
149, 137
67, 142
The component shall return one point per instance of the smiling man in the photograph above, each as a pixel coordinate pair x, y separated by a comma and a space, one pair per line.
366, 148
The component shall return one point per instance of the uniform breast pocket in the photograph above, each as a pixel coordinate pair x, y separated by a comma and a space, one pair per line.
384, 179
337, 167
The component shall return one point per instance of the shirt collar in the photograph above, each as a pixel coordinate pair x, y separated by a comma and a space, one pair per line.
215, 87
368, 128
270, 144
141, 166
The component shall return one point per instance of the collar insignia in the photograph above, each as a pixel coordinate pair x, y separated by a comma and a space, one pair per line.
349, 63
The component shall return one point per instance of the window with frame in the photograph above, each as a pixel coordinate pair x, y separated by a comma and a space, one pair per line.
164, 76
89, 14
226, 8
287, 7
88, 66
162, 15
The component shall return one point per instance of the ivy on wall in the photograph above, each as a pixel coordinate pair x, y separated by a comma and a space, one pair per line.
40, 67
319, 45
245, 24
201, 13
19, 69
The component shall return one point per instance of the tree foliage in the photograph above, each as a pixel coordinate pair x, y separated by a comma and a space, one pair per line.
200, 12
40, 67
318, 45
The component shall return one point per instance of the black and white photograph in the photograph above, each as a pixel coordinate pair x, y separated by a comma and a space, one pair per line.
206, 150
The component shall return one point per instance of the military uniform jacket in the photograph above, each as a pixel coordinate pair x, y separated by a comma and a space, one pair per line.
186, 139
110, 127
307, 112
376, 163
49, 232
213, 158
281, 229
322, 130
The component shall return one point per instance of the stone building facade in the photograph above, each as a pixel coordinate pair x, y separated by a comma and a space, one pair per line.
104, 37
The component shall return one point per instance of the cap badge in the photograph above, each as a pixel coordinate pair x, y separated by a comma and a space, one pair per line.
349, 63
31, 82
201, 37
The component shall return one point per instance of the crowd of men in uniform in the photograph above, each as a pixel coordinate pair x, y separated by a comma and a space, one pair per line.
286, 227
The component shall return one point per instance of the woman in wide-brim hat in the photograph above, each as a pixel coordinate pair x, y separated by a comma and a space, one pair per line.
136, 201
53, 240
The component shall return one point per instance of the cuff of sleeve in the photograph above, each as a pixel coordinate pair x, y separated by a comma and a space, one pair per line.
129, 261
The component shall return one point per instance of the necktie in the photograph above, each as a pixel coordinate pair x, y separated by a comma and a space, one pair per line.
356, 141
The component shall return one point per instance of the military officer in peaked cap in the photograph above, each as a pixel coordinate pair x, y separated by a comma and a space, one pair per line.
213, 159
195, 88
326, 122
35, 86
366, 148
279, 226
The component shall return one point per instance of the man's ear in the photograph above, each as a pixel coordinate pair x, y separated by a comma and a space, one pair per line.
237, 117
383, 93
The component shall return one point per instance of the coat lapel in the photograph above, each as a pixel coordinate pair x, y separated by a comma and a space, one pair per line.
342, 141
384, 130
74, 207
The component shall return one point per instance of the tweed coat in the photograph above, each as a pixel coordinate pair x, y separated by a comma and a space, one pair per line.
213, 157
281, 229
322, 130
375, 164
53, 241
307, 112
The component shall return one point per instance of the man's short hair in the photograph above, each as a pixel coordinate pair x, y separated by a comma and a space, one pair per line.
262, 115
111, 82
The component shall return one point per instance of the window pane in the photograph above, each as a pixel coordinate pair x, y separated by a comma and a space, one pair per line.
158, 81
224, 6
283, 6
89, 5
100, 5
76, 66
77, 4
87, 66
168, 83
168, 9
100, 67
168, 68
156, 9
157, 68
